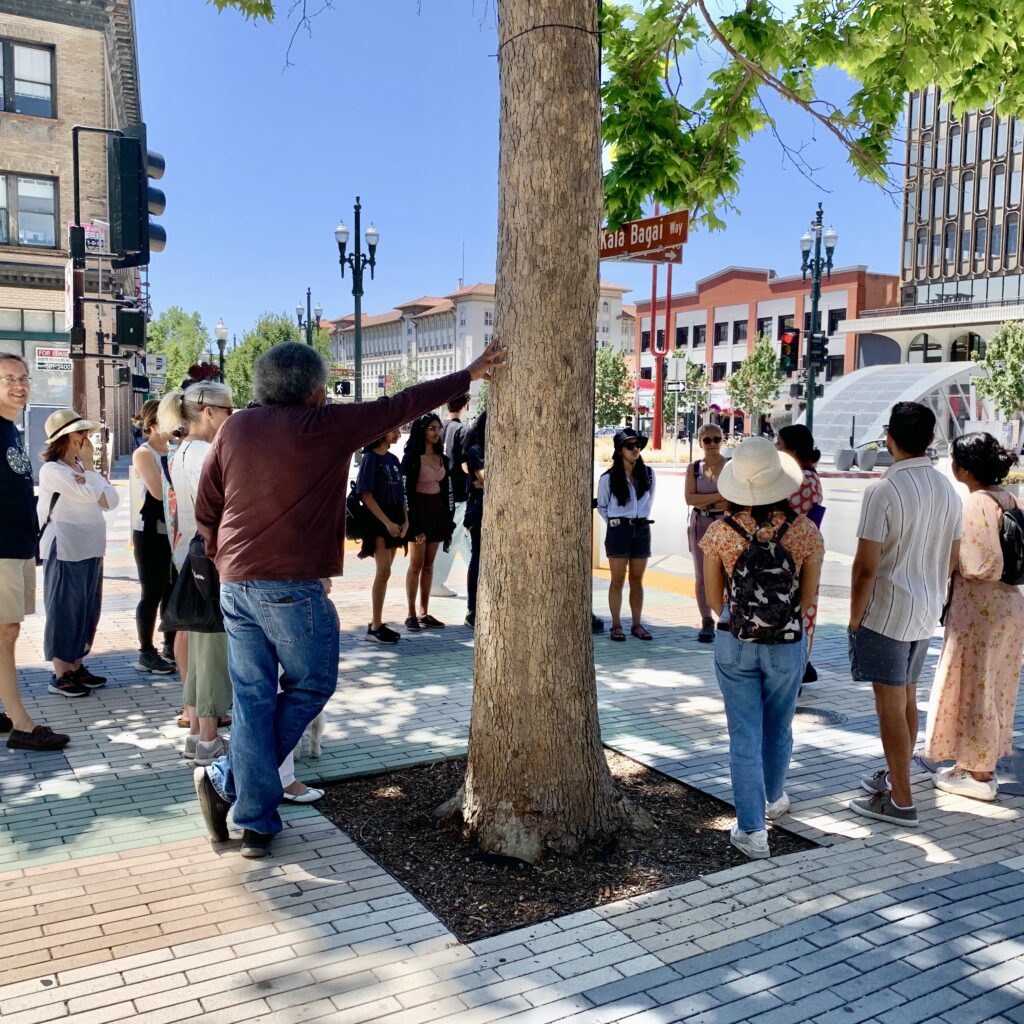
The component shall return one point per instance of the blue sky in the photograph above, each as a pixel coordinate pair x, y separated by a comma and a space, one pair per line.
397, 102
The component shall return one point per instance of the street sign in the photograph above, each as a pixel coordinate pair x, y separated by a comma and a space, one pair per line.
155, 363
157, 382
650, 235
675, 386
53, 359
340, 371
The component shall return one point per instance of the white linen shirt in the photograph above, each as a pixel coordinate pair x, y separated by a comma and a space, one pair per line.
77, 524
914, 513
636, 508
186, 467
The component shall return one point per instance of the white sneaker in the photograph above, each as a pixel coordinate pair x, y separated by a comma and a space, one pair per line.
440, 590
960, 782
753, 844
777, 808
208, 752
191, 742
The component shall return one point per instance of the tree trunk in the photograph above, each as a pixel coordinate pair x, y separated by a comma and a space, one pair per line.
536, 778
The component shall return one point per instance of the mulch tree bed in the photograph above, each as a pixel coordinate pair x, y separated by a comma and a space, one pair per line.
477, 895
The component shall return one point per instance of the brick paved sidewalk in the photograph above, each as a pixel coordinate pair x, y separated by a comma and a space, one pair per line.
116, 906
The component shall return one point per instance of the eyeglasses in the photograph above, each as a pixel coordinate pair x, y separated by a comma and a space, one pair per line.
229, 409
710, 440
14, 381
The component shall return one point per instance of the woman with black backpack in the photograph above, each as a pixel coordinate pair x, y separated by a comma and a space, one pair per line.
970, 715
762, 563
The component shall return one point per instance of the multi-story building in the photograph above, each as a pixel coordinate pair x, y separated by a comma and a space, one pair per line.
719, 321
62, 63
430, 336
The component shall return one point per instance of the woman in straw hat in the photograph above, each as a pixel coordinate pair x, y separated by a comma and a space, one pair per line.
765, 561
72, 500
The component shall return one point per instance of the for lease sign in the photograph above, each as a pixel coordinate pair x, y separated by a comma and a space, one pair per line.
57, 358
647, 235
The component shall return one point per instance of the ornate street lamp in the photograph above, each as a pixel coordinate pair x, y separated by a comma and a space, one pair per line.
220, 332
357, 261
309, 322
813, 238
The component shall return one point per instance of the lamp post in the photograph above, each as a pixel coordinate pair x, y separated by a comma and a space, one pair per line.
310, 313
357, 261
220, 332
813, 238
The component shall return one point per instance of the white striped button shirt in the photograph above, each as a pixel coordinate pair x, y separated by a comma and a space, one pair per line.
914, 512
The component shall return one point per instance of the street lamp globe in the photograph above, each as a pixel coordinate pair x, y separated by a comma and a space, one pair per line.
372, 237
830, 238
341, 234
220, 332
806, 241
318, 312
298, 311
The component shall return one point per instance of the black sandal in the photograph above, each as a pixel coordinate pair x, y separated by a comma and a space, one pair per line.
640, 633
617, 634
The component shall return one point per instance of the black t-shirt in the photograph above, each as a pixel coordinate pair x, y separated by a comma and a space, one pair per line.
381, 476
474, 458
452, 441
17, 500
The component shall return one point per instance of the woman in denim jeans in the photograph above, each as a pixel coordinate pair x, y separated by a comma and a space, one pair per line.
760, 680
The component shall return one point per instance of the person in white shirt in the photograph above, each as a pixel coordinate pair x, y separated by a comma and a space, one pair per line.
72, 500
908, 546
625, 495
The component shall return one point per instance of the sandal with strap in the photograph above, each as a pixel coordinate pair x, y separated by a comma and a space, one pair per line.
617, 634
640, 633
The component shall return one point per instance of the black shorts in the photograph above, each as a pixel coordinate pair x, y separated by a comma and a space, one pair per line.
628, 540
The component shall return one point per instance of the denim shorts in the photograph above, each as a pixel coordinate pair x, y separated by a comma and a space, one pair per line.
628, 540
875, 658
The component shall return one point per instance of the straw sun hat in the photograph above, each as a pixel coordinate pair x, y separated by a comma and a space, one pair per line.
67, 421
759, 474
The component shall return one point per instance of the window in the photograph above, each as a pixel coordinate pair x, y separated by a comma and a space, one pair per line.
986, 138
924, 350
949, 243
488, 318
954, 146
28, 211
928, 108
922, 246
908, 252
700, 335
995, 241
739, 331
980, 234
764, 326
1015, 186
718, 371
981, 196
911, 214
645, 341
682, 337
834, 318
462, 318
785, 323
965, 245
604, 307
1012, 222
967, 193
647, 373
1002, 131
999, 187
26, 73
952, 199
721, 333
938, 197
915, 111
807, 323
1018, 135
926, 150
972, 144
926, 196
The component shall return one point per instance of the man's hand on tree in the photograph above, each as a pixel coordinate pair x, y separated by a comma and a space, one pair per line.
489, 360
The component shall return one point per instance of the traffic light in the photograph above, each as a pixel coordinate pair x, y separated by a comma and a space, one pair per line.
819, 350
342, 388
130, 329
789, 349
131, 197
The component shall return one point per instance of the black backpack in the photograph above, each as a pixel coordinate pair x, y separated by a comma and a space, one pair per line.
1011, 540
764, 589
355, 514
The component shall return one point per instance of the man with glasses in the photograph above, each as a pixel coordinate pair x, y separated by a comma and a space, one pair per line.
18, 538
908, 545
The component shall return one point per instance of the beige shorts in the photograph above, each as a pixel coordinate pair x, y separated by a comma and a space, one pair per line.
17, 589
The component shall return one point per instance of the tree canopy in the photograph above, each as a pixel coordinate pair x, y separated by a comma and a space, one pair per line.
1004, 362
612, 397
757, 382
181, 337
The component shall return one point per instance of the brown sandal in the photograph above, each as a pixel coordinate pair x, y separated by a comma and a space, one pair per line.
640, 633
617, 634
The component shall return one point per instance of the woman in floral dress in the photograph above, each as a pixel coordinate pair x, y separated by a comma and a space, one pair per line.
970, 715
798, 441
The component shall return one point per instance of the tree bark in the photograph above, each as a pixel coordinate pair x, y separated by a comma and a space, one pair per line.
536, 778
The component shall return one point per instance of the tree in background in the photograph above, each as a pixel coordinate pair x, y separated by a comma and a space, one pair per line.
483, 396
1004, 362
611, 388
179, 336
694, 396
404, 376
755, 385
271, 329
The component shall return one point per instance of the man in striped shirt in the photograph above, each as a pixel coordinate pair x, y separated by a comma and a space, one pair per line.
908, 545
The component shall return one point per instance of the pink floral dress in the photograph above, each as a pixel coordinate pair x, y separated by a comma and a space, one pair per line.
970, 714
803, 501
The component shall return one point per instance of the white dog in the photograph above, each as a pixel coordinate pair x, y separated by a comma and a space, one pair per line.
314, 732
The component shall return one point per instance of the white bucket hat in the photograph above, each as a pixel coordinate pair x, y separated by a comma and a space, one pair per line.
759, 474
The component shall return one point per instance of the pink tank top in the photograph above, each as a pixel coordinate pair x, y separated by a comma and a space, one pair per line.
429, 481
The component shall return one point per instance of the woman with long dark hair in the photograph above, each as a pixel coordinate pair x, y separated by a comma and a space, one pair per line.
382, 489
428, 490
625, 495
796, 440
970, 714
474, 450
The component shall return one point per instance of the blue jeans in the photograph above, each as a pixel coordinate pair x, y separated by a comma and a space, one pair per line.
275, 629
760, 684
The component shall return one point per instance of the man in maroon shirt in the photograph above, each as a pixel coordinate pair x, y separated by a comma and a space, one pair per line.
271, 508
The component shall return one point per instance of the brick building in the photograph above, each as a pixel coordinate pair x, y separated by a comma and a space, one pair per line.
64, 62
718, 322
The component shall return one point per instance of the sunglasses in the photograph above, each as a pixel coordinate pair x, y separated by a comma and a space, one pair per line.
711, 440
227, 408
631, 446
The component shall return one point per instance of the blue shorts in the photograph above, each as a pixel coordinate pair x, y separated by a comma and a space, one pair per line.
628, 540
875, 658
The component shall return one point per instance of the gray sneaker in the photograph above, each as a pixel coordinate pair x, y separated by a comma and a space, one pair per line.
209, 751
881, 808
877, 783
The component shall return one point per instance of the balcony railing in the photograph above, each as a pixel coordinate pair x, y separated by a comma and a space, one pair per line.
938, 307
